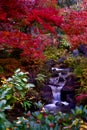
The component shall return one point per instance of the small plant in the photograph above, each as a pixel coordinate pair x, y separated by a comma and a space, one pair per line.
15, 88
80, 111
40, 79
4, 123
43, 120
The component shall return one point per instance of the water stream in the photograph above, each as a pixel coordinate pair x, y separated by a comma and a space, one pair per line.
56, 84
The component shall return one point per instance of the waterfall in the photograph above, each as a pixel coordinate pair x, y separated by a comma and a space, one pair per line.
56, 91
56, 84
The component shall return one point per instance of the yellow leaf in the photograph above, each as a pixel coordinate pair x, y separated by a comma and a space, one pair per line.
83, 126
7, 129
3, 80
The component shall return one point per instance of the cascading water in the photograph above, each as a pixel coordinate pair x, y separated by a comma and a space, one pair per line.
56, 84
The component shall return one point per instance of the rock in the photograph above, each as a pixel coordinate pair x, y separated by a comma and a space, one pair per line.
72, 80
61, 79
64, 106
83, 49
50, 107
58, 70
62, 103
50, 63
75, 53
68, 91
62, 59
46, 94
72, 105
54, 81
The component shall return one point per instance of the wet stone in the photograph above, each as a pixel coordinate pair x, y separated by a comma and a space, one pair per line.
83, 49
46, 93
50, 63
54, 80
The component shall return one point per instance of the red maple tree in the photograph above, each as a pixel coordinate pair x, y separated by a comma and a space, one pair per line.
75, 26
17, 16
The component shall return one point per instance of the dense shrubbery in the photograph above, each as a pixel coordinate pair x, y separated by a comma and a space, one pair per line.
25, 31
22, 34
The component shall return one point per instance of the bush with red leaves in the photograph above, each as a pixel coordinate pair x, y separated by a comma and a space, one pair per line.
16, 15
75, 26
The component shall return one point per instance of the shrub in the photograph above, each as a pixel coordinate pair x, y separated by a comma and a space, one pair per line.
44, 120
15, 89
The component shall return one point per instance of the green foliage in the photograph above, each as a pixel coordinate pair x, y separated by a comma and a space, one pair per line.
15, 88
80, 111
52, 52
40, 79
4, 123
21, 124
26, 104
79, 65
43, 120
64, 42
4, 106
39, 104
72, 62
83, 80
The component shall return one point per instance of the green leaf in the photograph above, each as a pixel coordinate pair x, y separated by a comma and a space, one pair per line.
24, 79
27, 104
40, 116
19, 87
50, 117
2, 115
22, 94
56, 127
4, 92
2, 103
29, 85
7, 107
17, 71
39, 104
9, 96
